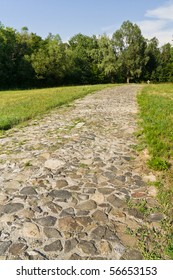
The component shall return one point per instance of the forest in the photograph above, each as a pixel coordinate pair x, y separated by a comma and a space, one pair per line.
29, 61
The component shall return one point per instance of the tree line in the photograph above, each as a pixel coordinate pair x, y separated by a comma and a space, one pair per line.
27, 60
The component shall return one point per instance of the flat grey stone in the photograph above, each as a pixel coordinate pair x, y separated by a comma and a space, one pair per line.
87, 205
132, 255
87, 247
51, 232
55, 208
17, 248
156, 217
67, 212
54, 246
135, 213
84, 221
98, 233
119, 248
46, 221
4, 247
121, 178
60, 194
75, 257
28, 191
106, 190
110, 235
116, 201
12, 208
100, 217
70, 245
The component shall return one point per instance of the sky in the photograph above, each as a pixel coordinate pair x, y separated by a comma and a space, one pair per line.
89, 17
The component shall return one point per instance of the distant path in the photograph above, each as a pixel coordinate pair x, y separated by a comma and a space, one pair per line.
66, 180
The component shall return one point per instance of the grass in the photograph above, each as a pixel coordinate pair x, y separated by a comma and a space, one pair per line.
156, 134
20, 106
156, 105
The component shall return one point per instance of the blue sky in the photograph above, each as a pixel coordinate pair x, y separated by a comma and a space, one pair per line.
69, 17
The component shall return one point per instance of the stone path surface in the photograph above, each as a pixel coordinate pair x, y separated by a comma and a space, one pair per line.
66, 181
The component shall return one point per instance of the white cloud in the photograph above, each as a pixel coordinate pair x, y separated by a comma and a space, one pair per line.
163, 12
159, 23
152, 26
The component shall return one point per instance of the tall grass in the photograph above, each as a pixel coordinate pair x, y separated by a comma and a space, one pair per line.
19, 106
156, 105
156, 114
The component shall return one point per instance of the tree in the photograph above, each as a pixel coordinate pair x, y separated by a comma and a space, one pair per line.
130, 48
49, 61
82, 49
152, 66
106, 57
8, 46
166, 64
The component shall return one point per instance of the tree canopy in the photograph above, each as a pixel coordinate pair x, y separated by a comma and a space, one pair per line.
27, 60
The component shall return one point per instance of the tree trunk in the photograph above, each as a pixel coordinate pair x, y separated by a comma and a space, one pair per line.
128, 80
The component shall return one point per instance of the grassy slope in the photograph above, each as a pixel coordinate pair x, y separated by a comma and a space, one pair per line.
156, 113
19, 106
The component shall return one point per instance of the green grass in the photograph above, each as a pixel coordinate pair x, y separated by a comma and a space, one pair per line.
156, 134
156, 105
19, 106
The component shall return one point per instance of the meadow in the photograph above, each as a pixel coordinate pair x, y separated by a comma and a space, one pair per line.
156, 134
21, 105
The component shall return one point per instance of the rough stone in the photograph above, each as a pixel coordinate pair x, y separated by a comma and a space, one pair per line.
98, 197
106, 191
68, 224
83, 221
119, 248
156, 217
4, 247
12, 208
28, 191
3, 198
75, 257
30, 230
121, 178
132, 255
105, 248
61, 194
54, 164
70, 245
87, 206
55, 208
98, 233
67, 212
17, 248
100, 217
87, 247
46, 221
116, 201
135, 213
51, 232
110, 235
61, 184
54, 246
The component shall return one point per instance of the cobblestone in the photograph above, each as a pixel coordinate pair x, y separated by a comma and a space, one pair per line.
66, 180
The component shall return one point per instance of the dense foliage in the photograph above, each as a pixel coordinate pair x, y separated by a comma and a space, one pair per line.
27, 60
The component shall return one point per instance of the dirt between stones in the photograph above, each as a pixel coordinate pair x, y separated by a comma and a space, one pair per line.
67, 179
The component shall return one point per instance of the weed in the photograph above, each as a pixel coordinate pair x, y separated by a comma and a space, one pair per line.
158, 163
28, 164
83, 165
